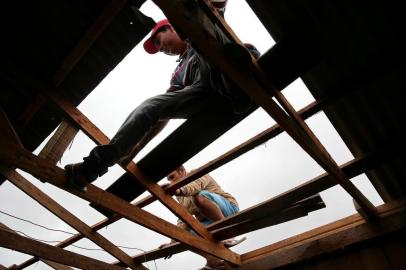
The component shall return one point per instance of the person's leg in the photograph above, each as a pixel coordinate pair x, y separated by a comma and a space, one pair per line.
178, 104
213, 207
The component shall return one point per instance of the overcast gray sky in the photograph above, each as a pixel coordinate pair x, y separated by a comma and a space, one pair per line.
262, 173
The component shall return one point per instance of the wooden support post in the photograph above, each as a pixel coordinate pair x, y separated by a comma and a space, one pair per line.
14, 241
58, 210
198, 26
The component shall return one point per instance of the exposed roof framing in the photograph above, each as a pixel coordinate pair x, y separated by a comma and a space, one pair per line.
42, 94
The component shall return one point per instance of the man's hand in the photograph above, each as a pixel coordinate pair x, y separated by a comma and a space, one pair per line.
163, 246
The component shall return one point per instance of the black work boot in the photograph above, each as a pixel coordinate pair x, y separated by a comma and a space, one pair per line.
79, 176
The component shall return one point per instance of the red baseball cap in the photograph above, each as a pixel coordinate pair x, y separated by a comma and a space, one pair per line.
149, 46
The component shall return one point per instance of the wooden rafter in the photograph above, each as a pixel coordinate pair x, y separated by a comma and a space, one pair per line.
14, 241
54, 265
328, 238
58, 210
201, 30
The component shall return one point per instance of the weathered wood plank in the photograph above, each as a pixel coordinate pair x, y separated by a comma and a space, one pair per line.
13, 241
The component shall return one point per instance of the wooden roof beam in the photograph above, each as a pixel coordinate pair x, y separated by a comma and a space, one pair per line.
54, 265
13, 241
70, 219
328, 238
199, 27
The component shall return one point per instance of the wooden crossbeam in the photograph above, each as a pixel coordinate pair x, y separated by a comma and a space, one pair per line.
193, 22
58, 210
44, 170
57, 266
300, 209
100, 138
16, 242
54, 265
328, 238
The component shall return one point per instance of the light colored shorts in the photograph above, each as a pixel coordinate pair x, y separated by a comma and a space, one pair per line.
226, 207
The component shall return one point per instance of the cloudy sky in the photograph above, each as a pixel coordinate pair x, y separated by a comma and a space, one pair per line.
260, 174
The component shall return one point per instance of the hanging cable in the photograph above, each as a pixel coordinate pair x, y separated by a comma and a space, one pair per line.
62, 231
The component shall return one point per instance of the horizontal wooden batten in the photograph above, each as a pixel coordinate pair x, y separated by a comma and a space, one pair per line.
14, 241
328, 238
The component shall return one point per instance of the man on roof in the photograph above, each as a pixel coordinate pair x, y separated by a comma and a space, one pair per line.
193, 84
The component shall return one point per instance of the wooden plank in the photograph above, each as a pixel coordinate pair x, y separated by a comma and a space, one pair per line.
13, 241
295, 211
58, 143
44, 170
70, 219
198, 27
329, 238
57, 266
54, 265
134, 173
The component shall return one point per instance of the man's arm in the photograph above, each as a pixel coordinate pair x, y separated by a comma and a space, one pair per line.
155, 130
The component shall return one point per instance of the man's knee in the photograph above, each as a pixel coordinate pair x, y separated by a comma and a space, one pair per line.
200, 199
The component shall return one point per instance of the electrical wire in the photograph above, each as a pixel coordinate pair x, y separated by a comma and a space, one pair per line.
62, 231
